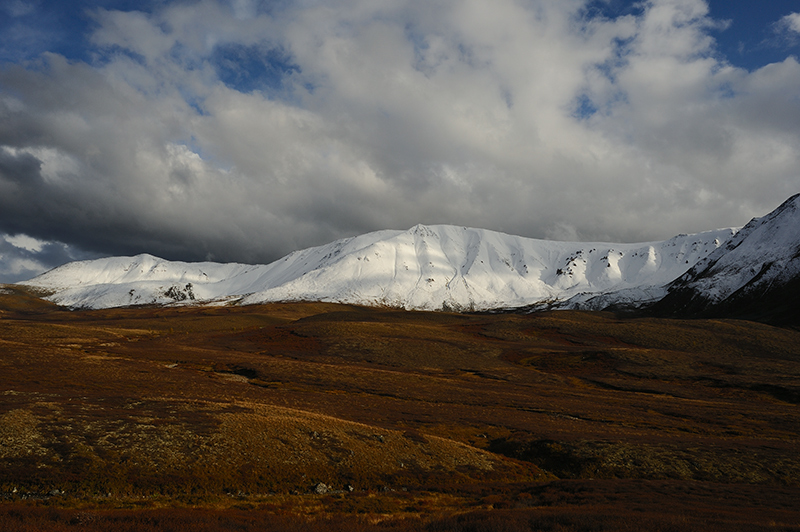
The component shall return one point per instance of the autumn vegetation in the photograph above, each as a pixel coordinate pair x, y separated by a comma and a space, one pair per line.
301, 416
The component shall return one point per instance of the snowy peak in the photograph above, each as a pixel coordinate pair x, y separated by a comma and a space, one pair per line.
447, 267
760, 263
426, 267
116, 270
123, 281
772, 237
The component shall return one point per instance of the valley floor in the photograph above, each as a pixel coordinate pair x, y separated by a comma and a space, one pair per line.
363, 419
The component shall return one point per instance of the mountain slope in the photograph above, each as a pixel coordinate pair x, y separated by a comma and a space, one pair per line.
755, 275
426, 267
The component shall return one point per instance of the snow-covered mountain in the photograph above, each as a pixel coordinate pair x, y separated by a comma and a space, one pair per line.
755, 274
426, 267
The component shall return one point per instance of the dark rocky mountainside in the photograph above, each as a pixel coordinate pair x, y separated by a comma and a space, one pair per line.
755, 275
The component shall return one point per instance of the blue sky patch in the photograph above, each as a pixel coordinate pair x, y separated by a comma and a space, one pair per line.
251, 68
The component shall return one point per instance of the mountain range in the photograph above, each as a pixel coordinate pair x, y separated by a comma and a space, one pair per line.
746, 272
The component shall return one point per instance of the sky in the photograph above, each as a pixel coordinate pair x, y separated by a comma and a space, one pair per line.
241, 130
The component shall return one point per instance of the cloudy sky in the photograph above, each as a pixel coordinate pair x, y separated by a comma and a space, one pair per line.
240, 130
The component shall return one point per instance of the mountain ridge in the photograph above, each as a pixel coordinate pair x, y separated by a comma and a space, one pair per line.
755, 275
437, 267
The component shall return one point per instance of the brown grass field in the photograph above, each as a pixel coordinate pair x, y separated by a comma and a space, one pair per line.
231, 418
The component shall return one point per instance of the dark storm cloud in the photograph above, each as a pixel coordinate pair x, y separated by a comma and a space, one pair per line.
239, 131
19, 170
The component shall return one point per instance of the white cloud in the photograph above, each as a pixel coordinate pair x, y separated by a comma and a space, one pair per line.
23, 257
19, 8
791, 22
132, 31
25, 242
523, 117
